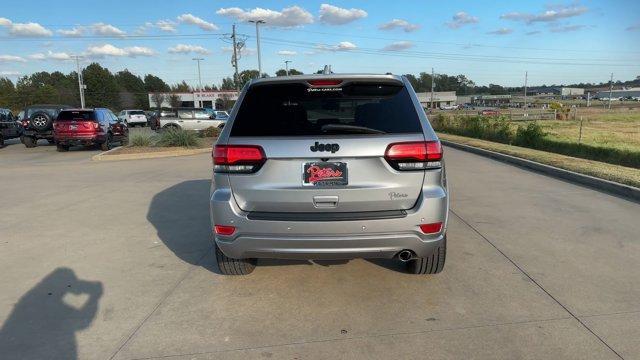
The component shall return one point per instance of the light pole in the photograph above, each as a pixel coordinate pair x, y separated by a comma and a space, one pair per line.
286, 65
81, 85
258, 22
199, 80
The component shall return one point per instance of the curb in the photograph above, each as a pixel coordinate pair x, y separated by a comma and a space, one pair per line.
626, 191
104, 156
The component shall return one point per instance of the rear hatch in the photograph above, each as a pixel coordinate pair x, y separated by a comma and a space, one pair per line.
137, 116
76, 123
320, 146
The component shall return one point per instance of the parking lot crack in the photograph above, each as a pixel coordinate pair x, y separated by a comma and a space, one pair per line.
525, 273
162, 300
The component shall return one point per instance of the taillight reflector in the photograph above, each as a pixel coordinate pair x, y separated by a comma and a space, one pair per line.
325, 82
431, 228
224, 229
418, 155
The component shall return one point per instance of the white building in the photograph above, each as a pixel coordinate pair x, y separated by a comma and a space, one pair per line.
204, 99
439, 98
567, 91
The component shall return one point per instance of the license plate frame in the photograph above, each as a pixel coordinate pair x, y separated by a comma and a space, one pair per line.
327, 174
73, 127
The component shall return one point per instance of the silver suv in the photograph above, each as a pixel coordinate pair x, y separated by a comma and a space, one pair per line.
329, 167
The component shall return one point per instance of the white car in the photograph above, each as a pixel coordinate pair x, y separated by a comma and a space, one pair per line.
133, 117
196, 119
449, 107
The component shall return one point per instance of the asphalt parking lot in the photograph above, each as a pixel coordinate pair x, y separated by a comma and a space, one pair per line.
113, 260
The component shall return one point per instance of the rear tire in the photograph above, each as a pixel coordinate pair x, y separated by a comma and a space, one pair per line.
432, 264
124, 141
106, 145
62, 148
229, 266
29, 141
1, 141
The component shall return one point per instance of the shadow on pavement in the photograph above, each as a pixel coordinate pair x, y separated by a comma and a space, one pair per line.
180, 215
43, 323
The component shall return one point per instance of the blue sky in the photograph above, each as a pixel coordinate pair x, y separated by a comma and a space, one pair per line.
490, 42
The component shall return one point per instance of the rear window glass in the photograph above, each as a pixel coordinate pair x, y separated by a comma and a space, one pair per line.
136, 112
297, 110
82, 115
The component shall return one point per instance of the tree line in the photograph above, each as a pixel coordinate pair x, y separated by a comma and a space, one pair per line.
124, 89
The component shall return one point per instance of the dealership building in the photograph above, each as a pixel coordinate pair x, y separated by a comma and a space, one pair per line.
204, 99
439, 98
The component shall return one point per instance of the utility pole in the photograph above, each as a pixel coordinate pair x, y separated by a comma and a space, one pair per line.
81, 86
610, 90
433, 84
234, 61
258, 22
286, 65
526, 74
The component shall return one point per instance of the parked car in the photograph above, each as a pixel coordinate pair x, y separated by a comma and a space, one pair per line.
329, 167
37, 123
196, 119
89, 127
9, 127
490, 112
449, 107
133, 117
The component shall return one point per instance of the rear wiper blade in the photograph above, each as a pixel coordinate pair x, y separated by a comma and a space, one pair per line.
351, 129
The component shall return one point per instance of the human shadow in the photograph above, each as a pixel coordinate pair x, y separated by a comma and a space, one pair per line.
180, 215
43, 323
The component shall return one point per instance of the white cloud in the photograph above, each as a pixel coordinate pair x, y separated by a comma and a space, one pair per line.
334, 15
194, 20
11, 58
399, 24
25, 29
501, 31
287, 17
75, 32
50, 55
567, 28
107, 30
9, 73
461, 19
110, 50
166, 25
287, 53
341, 46
553, 13
187, 49
398, 46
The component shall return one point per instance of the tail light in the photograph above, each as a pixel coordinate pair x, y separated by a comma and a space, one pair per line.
96, 125
224, 229
25, 123
325, 82
431, 228
243, 159
419, 155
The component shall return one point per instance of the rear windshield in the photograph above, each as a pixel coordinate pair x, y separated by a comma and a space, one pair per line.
136, 112
296, 110
82, 115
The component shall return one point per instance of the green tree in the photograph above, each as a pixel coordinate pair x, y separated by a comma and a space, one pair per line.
174, 100
132, 90
7, 93
154, 84
283, 72
181, 87
102, 87
227, 84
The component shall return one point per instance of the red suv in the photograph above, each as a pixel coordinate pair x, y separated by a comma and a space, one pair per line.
89, 127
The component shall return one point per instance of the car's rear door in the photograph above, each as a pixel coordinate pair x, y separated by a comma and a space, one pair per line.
325, 147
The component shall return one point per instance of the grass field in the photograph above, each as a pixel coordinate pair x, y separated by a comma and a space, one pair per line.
618, 129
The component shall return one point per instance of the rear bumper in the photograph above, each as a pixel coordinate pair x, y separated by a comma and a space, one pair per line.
38, 134
379, 238
79, 139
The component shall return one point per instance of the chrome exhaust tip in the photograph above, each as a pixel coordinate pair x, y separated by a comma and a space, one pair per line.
405, 255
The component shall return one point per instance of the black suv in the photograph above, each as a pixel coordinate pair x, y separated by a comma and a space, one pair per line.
9, 128
37, 123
